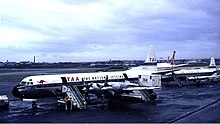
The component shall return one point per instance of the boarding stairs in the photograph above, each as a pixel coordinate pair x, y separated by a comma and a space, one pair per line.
147, 95
176, 79
74, 94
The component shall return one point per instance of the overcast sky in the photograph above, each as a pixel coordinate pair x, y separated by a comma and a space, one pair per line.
93, 30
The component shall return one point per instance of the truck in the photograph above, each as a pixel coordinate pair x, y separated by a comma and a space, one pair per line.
4, 103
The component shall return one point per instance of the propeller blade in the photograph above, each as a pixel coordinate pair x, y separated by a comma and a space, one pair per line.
126, 76
86, 85
106, 82
98, 85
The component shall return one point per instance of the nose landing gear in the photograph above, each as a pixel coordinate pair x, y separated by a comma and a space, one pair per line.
34, 105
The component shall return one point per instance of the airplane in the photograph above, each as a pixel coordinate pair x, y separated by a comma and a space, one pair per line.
144, 78
169, 65
195, 74
211, 78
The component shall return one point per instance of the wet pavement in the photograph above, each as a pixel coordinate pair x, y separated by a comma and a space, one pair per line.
175, 104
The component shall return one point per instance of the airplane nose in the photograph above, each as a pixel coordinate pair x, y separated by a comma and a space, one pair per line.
16, 93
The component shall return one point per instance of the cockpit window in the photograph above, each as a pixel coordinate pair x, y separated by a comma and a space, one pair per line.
26, 83
23, 82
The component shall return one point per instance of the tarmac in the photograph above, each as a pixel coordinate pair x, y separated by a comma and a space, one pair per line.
186, 104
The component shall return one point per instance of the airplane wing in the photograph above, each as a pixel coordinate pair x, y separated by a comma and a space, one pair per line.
140, 88
132, 88
180, 65
165, 71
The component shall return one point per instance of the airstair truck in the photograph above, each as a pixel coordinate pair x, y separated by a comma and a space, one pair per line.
4, 103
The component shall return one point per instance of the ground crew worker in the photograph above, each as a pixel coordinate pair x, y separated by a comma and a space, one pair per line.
69, 103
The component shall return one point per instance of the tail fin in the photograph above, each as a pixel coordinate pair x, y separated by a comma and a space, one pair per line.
212, 63
151, 58
173, 58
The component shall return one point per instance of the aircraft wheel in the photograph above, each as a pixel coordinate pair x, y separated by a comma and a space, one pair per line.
34, 105
198, 83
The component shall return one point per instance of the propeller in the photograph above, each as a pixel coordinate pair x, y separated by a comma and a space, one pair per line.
86, 88
103, 92
126, 78
105, 84
87, 85
106, 81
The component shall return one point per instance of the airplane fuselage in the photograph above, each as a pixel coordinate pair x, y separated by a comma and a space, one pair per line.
185, 74
40, 86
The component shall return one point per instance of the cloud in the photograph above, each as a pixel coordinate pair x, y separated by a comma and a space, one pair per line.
62, 30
